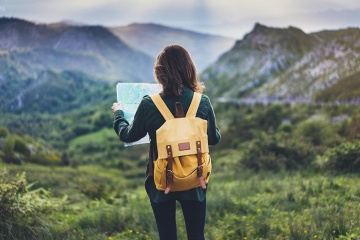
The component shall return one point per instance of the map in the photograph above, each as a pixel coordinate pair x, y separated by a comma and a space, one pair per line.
130, 95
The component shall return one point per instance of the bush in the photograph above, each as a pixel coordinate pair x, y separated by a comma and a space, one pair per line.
45, 156
3, 132
271, 153
101, 120
317, 131
285, 127
22, 210
355, 127
20, 146
345, 157
8, 149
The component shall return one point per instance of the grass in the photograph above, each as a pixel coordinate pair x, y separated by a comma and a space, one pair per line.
242, 204
285, 205
95, 137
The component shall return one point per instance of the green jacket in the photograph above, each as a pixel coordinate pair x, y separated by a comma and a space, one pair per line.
148, 119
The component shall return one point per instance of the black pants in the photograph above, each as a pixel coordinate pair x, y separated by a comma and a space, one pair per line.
194, 215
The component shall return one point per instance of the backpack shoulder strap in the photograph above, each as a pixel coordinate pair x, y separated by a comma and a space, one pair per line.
161, 106
194, 105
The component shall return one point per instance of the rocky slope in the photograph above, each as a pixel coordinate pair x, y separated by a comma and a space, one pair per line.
273, 63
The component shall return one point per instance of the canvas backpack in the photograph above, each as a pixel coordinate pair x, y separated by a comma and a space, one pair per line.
183, 160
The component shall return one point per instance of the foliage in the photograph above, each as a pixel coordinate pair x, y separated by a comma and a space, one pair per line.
21, 146
22, 210
18, 149
345, 157
101, 119
240, 204
276, 153
355, 127
3, 132
104, 179
317, 131
8, 148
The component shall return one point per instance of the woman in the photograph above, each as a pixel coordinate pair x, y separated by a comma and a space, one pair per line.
176, 72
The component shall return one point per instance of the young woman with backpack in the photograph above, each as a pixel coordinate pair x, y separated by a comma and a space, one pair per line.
176, 72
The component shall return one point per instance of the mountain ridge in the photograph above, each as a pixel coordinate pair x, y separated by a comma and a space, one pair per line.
30, 51
70, 47
268, 63
283, 63
152, 38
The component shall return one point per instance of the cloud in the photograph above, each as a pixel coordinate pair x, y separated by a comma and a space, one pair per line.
225, 17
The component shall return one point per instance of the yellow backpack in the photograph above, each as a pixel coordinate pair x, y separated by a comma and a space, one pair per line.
183, 159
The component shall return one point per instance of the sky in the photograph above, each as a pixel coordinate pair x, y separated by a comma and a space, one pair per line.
231, 18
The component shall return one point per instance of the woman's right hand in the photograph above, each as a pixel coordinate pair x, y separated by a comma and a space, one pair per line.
116, 106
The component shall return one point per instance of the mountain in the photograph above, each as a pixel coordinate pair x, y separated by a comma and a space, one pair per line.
152, 38
93, 50
284, 63
59, 67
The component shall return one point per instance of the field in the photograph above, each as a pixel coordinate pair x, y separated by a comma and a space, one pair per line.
96, 203
280, 172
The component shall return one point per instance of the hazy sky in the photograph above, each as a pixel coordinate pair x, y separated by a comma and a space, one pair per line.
224, 17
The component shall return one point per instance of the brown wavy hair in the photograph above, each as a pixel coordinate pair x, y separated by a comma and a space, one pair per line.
175, 69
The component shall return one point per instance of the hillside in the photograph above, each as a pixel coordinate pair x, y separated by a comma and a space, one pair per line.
152, 38
93, 50
273, 63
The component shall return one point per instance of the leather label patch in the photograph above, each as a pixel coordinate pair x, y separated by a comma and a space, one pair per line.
184, 146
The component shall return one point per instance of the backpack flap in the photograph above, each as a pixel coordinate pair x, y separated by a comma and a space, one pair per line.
182, 134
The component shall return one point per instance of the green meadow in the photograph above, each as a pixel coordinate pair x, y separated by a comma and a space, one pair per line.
280, 172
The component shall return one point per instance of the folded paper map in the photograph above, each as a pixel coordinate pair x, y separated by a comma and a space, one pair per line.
130, 95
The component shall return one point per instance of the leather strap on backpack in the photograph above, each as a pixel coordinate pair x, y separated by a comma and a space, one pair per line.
179, 111
200, 167
169, 172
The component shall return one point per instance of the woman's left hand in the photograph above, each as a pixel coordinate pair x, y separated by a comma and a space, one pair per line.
115, 107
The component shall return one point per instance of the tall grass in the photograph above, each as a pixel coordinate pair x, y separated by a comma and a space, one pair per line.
242, 204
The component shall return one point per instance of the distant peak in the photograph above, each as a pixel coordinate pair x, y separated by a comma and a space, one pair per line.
13, 19
71, 23
259, 27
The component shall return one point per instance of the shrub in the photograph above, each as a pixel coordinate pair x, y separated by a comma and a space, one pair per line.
3, 132
81, 130
271, 117
20, 146
343, 128
272, 153
101, 120
22, 210
345, 157
285, 127
316, 130
355, 127
45, 156
8, 149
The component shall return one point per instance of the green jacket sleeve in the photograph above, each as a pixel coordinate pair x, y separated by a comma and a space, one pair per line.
213, 131
130, 132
